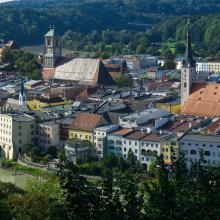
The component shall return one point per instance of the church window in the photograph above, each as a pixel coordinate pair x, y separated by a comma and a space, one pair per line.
49, 42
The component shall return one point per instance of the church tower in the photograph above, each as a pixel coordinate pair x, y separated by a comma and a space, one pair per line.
188, 71
22, 98
52, 48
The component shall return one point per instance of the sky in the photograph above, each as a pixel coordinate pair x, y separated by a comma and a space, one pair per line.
5, 1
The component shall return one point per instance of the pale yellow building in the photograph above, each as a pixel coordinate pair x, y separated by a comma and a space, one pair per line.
83, 126
16, 130
38, 104
174, 108
214, 67
170, 148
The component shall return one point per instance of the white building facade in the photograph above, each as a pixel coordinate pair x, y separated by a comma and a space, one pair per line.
16, 130
100, 140
193, 145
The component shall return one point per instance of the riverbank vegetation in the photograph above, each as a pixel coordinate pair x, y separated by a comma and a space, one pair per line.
17, 168
123, 193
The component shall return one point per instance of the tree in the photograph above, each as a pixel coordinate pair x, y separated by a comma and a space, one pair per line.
131, 198
180, 48
7, 190
41, 200
7, 56
123, 81
28, 148
83, 200
169, 65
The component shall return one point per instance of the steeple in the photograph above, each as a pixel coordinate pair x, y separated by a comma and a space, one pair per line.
22, 98
188, 71
189, 62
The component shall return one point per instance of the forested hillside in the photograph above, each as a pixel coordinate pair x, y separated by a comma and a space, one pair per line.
26, 21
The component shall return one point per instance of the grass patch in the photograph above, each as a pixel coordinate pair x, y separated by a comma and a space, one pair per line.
16, 167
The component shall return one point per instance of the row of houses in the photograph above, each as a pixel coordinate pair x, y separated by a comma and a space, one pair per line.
144, 145
89, 135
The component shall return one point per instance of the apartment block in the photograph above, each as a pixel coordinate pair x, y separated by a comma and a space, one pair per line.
16, 130
193, 145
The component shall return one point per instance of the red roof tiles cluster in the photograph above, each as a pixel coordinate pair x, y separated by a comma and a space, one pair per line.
86, 122
203, 101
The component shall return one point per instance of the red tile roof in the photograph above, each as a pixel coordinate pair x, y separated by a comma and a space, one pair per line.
152, 137
137, 135
86, 122
48, 73
205, 101
213, 127
122, 131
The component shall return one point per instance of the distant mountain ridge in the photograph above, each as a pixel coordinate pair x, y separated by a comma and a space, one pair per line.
27, 20
171, 7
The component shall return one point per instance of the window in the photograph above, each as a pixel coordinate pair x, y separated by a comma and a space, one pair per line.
189, 144
20, 141
135, 151
207, 153
193, 152
125, 149
19, 127
19, 133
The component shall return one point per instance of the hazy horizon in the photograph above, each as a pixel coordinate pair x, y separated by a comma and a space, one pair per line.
1, 1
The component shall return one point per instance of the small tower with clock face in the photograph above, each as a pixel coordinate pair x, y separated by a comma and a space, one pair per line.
52, 48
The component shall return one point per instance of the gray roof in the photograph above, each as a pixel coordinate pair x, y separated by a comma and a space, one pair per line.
22, 117
201, 138
148, 114
51, 33
107, 128
79, 69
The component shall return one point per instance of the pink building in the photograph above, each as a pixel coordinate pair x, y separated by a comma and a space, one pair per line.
48, 134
